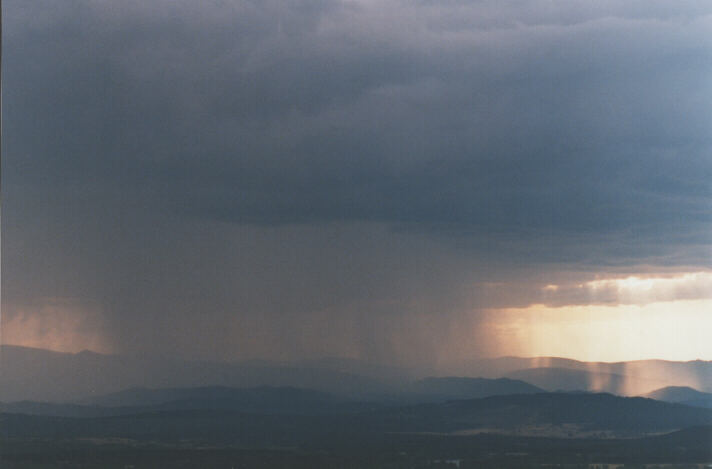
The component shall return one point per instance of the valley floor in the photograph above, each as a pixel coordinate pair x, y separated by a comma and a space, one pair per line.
394, 452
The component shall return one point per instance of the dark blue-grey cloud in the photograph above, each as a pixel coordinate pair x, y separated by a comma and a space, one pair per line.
167, 157
590, 120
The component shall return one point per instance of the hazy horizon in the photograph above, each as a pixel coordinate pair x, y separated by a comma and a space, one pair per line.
320, 358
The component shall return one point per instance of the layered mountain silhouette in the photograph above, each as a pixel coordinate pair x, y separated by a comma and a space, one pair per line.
567, 379
637, 377
42, 375
98, 408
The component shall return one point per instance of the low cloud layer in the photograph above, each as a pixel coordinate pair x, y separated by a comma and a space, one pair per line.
638, 290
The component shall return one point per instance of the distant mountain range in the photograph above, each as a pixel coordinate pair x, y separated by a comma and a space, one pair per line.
267, 399
42, 375
567, 379
100, 410
631, 378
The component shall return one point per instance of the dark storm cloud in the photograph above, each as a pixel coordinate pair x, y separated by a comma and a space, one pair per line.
328, 161
472, 116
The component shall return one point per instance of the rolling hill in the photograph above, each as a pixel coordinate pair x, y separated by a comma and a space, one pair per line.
683, 395
471, 388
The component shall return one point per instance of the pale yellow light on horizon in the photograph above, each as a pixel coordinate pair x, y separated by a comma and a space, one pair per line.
670, 330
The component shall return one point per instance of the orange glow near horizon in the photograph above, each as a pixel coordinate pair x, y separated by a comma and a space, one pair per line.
58, 324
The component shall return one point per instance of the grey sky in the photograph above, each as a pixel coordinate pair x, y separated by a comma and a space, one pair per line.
302, 166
